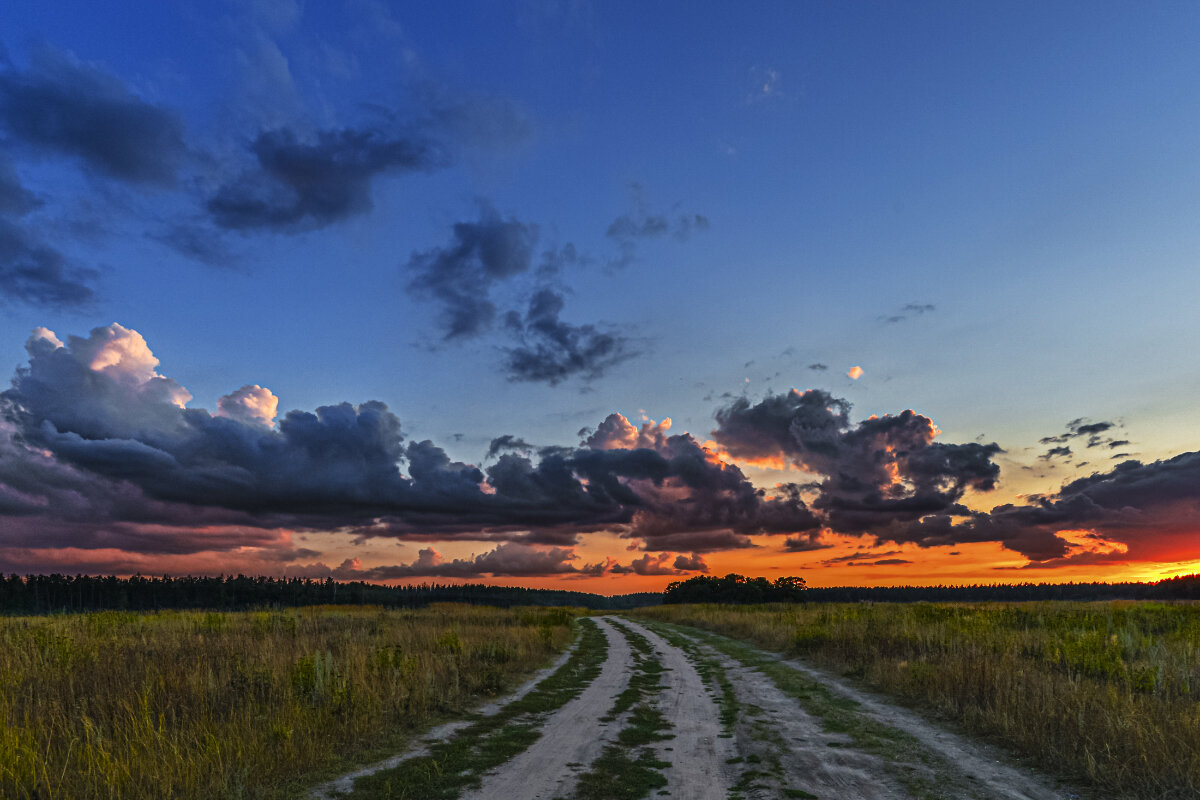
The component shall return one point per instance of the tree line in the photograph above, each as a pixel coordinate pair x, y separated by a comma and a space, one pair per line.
39, 594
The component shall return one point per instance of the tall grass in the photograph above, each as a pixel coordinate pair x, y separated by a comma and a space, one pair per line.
1104, 692
245, 705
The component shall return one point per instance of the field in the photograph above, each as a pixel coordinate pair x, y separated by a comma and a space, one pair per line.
690, 700
1105, 693
116, 705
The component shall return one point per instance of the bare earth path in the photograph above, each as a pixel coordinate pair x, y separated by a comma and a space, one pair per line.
571, 739
999, 780
778, 744
697, 754
775, 729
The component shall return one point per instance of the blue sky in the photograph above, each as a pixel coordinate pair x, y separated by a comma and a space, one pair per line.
518, 219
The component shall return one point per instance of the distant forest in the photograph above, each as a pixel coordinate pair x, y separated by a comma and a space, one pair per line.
39, 594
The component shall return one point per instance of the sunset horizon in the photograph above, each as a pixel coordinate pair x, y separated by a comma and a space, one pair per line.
600, 298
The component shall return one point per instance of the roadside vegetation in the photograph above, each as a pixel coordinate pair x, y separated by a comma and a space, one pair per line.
459, 762
1106, 692
122, 705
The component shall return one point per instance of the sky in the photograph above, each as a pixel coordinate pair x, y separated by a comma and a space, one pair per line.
600, 296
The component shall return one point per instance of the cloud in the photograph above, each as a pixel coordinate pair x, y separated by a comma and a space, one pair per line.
61, 106
618, 433
649, 565
855, 373
481, 255
37, 274
882, 470
460, 275
910, 310
507, 442
303, 182
251, 404
552, 351
818, 367
1081, 427
15, 199
509, 560
197, 242
100, 451
692, 563
642, 223
1056, 452
98, 408
798, 544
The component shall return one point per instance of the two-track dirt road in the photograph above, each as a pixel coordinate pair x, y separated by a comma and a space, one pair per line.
736, 727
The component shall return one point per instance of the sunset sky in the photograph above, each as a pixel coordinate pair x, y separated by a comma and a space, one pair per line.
600, 295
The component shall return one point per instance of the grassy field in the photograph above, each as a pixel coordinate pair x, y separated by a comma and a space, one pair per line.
1107, 692
243, 705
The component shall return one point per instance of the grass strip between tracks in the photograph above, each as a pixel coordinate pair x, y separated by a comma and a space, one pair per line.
629, 768
899, 750
458, 763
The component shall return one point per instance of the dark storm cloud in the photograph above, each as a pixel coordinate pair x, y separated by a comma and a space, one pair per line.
798, 544
99, 452
37, 274
507, 442
100, 409
553, 350
460, 275
302, 182
882, 470
692, 563
509, 560
60, 106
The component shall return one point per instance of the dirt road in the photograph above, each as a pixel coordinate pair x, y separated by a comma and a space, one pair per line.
676, 713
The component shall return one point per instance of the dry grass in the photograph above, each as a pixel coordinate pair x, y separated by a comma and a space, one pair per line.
249, 705
1105, 692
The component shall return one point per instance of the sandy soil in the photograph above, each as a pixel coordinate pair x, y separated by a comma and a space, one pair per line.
697, 754
572, 737
789, 749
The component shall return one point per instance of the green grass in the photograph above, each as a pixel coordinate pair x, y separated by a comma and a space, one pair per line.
628, 769
255, 705
458, 763
1105, 694
840, 715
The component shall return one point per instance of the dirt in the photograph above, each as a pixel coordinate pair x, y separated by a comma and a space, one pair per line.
775, 749
440, 733
975, 760
697, 753
572, 738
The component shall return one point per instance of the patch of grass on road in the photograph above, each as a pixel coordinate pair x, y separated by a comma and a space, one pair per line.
934, 778
710, 671
629, 769
458, 763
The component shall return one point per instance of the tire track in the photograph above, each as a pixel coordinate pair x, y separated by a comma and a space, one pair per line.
344, 784
572, 738
697, 753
